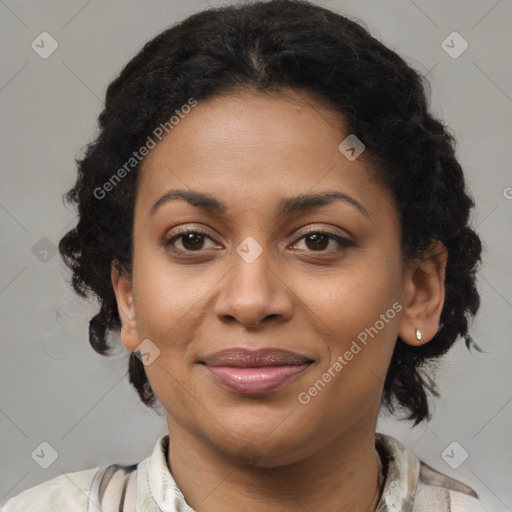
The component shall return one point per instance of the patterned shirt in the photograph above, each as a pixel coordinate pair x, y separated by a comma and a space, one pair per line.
410, 485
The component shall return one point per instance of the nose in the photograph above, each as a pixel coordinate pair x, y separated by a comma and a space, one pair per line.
253, 293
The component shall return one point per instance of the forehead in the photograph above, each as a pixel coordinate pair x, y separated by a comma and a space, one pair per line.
251, 149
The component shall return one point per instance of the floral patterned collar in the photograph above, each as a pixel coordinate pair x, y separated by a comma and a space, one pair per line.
401, 469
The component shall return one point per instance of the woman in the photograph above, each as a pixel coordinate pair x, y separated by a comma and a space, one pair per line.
279, 228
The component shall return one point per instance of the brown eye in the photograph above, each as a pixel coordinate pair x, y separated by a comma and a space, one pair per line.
191, 240
318, 241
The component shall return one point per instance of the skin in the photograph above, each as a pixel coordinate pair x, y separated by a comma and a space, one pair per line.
232, 452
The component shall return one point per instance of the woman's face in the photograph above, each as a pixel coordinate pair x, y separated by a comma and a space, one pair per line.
254, 278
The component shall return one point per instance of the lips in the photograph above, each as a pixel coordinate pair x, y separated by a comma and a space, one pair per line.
255, 371
244, 358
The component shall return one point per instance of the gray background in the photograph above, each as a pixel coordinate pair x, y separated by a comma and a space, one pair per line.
55, 388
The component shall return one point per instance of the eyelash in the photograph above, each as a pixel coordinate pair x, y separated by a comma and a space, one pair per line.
343, 242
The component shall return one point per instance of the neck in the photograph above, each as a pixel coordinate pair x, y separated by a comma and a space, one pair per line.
342, 475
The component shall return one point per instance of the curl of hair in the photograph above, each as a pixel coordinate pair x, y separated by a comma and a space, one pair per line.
269, 47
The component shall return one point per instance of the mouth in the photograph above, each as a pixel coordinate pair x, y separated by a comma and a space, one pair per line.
255, 371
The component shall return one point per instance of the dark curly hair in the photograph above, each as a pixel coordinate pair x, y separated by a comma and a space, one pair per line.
270, 46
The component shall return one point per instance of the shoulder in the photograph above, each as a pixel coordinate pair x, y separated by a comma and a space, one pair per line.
437, 491
64, 492
78, 491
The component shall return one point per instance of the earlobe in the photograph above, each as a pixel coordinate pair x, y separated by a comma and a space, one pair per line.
424, 293
125, 305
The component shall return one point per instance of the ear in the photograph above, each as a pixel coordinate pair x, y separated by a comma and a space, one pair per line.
423, 297
123, 290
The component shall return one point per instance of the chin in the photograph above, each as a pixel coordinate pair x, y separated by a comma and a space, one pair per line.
264, 448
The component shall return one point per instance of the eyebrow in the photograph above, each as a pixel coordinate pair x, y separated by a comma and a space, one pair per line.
286, 207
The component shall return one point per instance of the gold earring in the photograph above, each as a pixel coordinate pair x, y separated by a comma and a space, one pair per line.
418, 334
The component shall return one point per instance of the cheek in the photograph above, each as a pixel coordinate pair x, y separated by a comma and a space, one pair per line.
357, 309
166, 295
352, 299
360, 315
